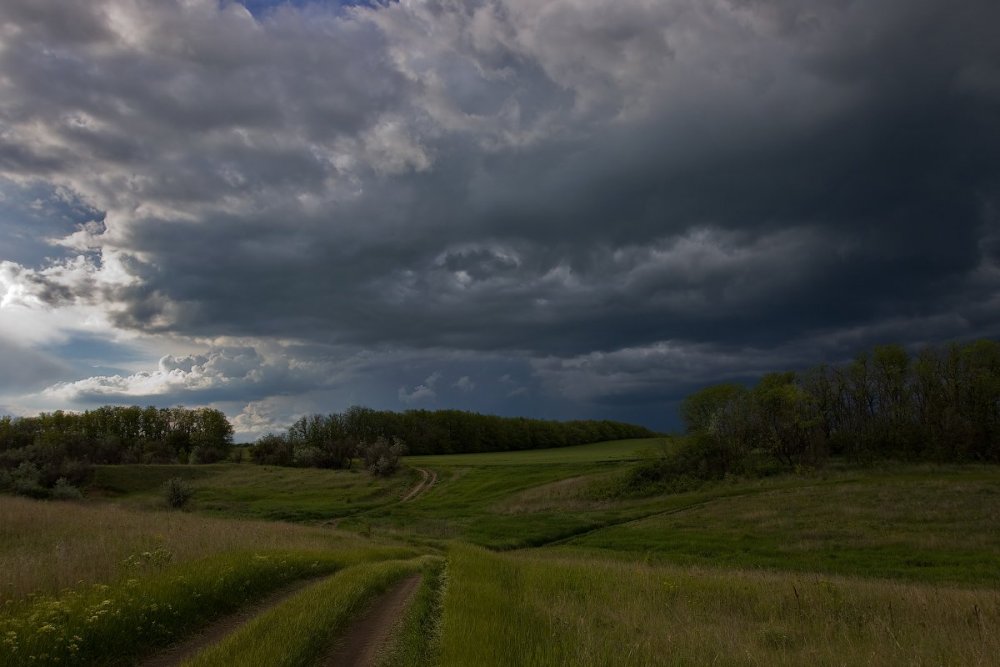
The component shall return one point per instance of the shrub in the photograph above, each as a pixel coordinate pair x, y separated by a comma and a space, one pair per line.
382, 456
63, 490
309, 457
26, 481
177, 492
75, 472
693, 461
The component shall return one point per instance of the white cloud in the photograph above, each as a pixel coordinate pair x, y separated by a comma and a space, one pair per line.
230, 369
465, 384
422, 392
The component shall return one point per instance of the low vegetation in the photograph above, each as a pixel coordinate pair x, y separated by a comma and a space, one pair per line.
919, 523
113, 624
303, 629
47, 547
543, 609
260, 492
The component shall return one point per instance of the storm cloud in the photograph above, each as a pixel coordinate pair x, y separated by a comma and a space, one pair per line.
611, 202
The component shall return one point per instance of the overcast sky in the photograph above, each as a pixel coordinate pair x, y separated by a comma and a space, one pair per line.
569, 208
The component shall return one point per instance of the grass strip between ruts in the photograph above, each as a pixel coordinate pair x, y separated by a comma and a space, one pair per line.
417, 640
300, 631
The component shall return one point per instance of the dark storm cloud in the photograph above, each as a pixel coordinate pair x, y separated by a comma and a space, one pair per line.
621, 195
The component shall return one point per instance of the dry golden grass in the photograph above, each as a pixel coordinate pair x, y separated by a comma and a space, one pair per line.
49, 546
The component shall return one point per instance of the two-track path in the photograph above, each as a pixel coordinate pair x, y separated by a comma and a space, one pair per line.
360, 645
223, 627
428, 479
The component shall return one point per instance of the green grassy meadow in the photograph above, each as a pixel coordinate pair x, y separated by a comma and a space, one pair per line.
597, 452
264, 492
525, 559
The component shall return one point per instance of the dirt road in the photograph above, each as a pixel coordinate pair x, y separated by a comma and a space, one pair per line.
368, 634
428, 479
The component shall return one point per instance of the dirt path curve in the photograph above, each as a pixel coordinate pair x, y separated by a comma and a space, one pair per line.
361, 643
220, 629
429, 479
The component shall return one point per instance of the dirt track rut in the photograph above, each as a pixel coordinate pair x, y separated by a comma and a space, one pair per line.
428, 479
368, 634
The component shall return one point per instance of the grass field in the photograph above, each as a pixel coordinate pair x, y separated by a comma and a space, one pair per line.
266, 492
551, 609
924, 525
891, 565
46, 547
612, 450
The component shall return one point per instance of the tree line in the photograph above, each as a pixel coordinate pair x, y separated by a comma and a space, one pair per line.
941, 404
36, 452
333, 440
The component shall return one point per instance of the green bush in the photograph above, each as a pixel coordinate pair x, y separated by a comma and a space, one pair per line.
382, 456
63, 490
25, 481
177, 492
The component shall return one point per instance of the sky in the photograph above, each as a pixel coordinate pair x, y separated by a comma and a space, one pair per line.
564, 209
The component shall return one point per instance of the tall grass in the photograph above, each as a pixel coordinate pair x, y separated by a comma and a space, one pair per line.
537, 610
301, 630
417, 640
114, 624
46, 547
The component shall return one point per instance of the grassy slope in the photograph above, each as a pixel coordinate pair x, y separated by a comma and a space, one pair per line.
527, 609
48, 546
922, 524
481, 497
597, 452
915, 523
266, 492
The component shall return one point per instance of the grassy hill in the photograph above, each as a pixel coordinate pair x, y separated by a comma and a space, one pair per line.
544, 563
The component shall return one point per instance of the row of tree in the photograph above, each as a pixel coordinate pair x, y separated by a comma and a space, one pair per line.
332, 441
62, 445
942, 404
